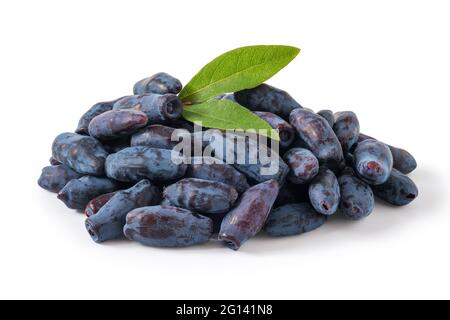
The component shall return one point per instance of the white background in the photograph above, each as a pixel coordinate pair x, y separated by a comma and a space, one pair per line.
386, 60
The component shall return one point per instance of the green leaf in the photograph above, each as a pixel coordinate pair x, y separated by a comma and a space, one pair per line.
236, 70
224, 114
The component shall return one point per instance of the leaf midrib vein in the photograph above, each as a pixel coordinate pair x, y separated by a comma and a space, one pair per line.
226, 78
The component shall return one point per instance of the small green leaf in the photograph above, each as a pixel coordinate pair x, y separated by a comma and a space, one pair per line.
236, 70
224, 114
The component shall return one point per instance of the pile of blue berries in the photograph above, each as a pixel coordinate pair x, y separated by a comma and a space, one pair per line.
117, 167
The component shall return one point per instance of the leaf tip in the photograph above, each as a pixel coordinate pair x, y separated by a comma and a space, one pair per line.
295, 50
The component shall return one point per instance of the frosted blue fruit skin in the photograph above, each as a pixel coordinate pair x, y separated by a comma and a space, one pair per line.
267, 98
303, 165
155, 136
346, 128
202, 196
357, 200
293, 219
159, 108
82, 154
167, 226
160, 83
220, 172
373, 161
136, 163
398, 190
327, 115
77, 193
317, 135
248, 216
324, 193
108, 222
403, 160
116, 124
54, 178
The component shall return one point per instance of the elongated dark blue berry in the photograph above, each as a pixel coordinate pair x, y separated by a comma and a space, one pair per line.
249, 215
54, 178
303, 165
267, 98
201, 196
293, 219
167, 226
346, 128
108, 222
357, 200
78, 192
117, 124
317, 135
136, 163
403, 160
159, 108
160, 83
398, 190
82, 154
324, 193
